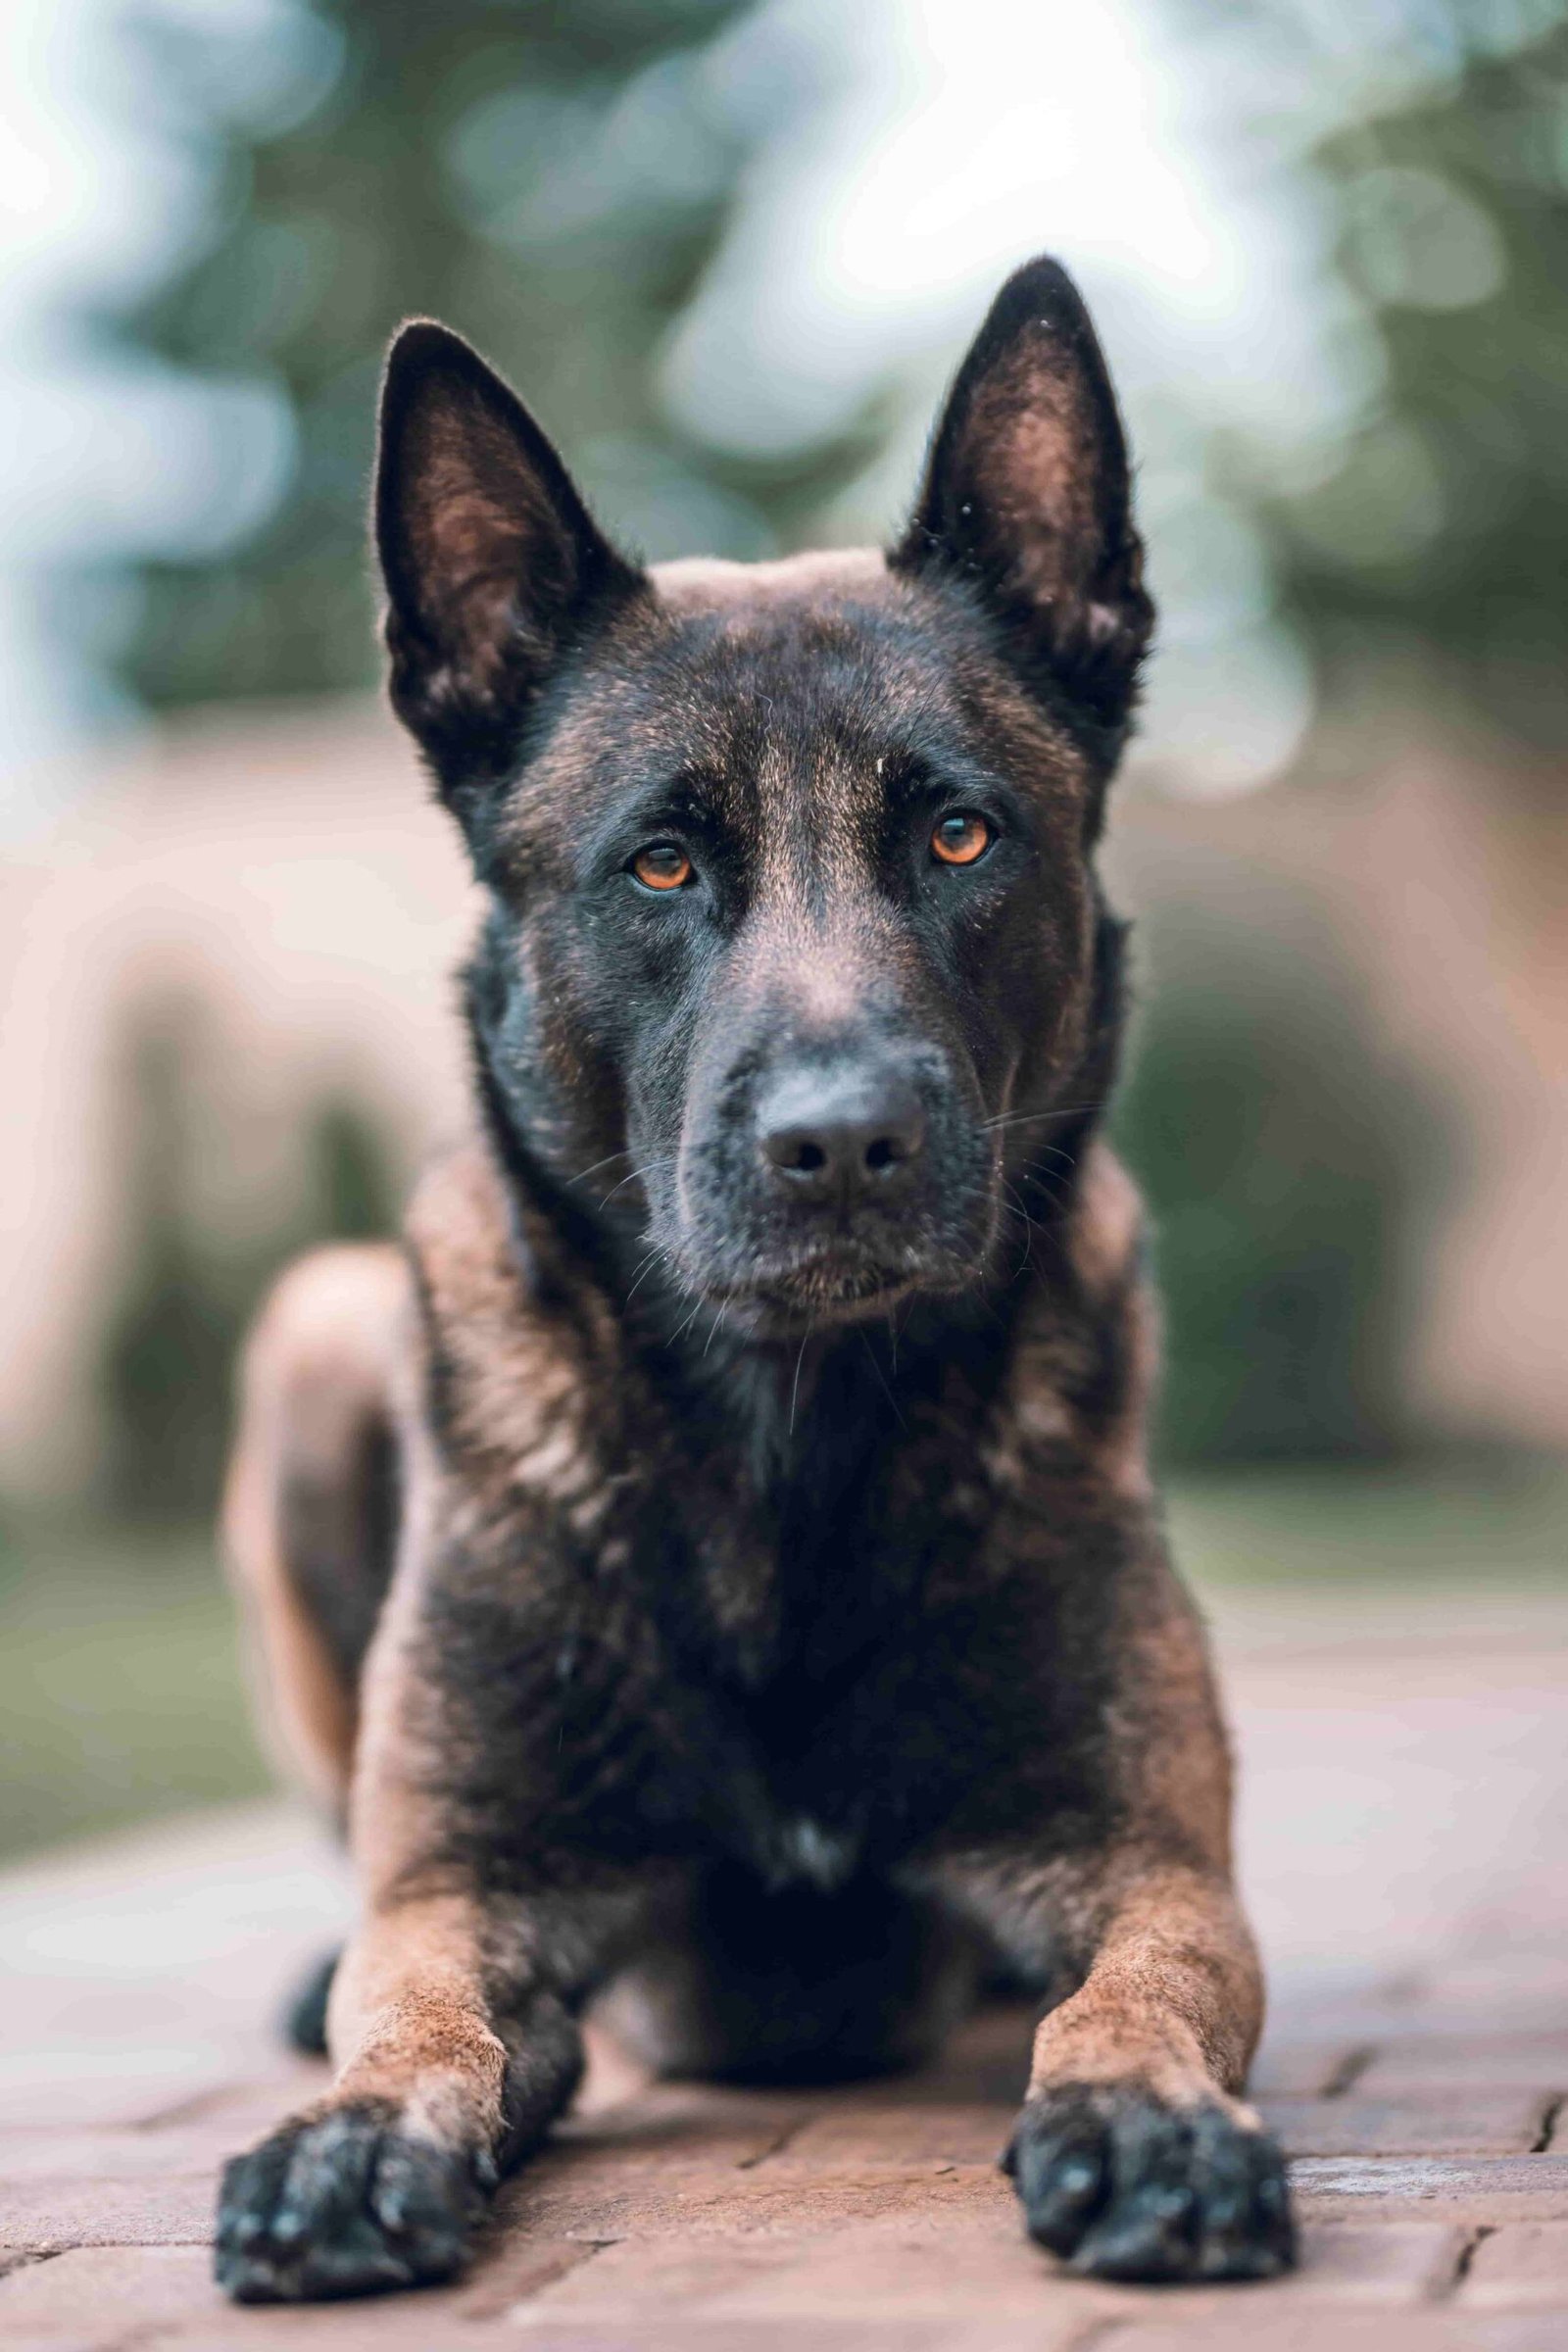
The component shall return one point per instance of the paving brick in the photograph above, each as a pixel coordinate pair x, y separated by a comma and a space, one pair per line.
161, 2211
598, 2198
1304, 2068
1257, 2325
99, 2294
1496, 2189
866, 2133
514, 2267
179, 2151
870, 2270
876, 2272
1041, 2331
688, 2124
1525, 2264
1437, 2124
1447, 2061
44, 2088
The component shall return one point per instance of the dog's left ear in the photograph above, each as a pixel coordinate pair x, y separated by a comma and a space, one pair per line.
493, 568
1027, 499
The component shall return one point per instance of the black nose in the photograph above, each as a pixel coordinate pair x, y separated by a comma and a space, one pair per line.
846, 1131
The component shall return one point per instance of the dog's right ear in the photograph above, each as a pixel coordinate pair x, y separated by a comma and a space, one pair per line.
493, 568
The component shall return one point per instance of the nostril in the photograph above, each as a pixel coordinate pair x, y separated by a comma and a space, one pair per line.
839, 1131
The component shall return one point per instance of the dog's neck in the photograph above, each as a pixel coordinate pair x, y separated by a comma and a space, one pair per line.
785, 1450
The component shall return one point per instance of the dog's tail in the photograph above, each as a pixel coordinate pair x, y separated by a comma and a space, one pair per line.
312, 1502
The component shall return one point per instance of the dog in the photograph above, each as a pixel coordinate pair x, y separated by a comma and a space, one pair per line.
712, 1564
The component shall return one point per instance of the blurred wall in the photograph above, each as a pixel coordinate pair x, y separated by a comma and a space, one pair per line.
276, 893
274, 889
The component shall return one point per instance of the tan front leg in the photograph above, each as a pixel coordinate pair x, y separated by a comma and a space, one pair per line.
1173, 1994
1135, 2156
452, 2018
453, 2024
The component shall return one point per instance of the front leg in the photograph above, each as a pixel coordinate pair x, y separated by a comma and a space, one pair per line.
453, 2022
1135, 2156
453, 2012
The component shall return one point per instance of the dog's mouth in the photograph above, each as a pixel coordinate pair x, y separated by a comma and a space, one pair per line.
829, 1283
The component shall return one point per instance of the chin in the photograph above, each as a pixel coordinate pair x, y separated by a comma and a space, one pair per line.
823, 1291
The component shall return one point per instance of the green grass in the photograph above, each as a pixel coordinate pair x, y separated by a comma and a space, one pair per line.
1501, 1523
121, 1695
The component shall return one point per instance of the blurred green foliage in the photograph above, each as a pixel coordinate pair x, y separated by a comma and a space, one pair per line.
549, 176
1419, 555
121, 1687
1285, 1162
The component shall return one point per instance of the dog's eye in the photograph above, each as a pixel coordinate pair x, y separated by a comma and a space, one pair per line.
661, 867
960, 839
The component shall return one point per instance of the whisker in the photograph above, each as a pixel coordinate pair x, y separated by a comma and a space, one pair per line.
1032, 1118
677, 1336
1015, 1207
665, 1159
583, 1173
796, 1388
644, 1266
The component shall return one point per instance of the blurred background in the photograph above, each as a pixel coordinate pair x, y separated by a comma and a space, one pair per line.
731, 250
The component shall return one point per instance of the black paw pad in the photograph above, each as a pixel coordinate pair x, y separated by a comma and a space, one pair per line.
1123, 2186
342, 2204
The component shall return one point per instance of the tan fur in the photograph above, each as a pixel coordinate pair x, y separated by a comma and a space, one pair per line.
698, 581
409, 2020
519, 1392
1173, 2000
323, 1352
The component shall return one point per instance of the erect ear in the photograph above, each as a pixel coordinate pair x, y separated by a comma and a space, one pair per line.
1026, 495
493, 568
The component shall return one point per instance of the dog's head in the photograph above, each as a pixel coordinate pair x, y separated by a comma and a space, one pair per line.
793, 921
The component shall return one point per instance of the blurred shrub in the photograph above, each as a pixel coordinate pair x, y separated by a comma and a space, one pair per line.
173, 1326
1285, 1164
1418, 555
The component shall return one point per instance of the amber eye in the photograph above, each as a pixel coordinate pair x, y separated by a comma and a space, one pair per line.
661, 867
960, 839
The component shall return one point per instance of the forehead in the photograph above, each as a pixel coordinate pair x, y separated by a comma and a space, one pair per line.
811, 676
812, 654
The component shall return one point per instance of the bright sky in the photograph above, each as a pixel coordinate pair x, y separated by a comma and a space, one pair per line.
965, 135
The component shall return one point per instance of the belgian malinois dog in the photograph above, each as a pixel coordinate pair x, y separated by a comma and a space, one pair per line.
716, 1555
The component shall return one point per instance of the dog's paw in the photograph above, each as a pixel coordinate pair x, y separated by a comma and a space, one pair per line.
343, 2203
1121, 2186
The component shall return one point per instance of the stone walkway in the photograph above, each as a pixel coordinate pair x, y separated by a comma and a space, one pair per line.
1405, 1849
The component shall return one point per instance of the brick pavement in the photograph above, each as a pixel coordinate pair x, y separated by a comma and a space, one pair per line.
1405, 1803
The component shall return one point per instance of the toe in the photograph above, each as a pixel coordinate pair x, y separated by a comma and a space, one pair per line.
426, 2202
1058, 2162
1148, 2227
1246, 2229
